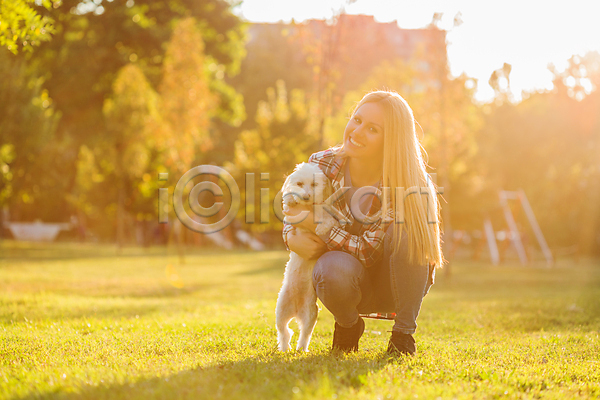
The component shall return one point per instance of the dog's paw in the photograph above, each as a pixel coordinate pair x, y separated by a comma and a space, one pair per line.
283, 348
321, 229
326, 226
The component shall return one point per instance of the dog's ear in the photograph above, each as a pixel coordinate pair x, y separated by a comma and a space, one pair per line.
286, 183
324, 183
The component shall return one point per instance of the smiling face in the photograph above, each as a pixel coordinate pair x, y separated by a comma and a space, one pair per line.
363, 137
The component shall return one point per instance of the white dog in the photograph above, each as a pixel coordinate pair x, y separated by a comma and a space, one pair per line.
307, 185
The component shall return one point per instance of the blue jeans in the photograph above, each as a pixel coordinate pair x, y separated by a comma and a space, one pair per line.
348, 289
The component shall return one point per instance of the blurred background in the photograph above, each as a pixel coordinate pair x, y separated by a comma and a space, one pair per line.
99, 97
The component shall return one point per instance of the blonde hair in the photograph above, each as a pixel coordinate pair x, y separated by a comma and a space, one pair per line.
404, 167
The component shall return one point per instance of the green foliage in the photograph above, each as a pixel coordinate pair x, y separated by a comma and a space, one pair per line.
22, 27
28, 121
79, 323
88, 177
132, 121
72, 75
7, 155
187, 102
194, 95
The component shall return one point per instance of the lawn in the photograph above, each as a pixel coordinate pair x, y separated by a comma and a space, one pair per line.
79, 322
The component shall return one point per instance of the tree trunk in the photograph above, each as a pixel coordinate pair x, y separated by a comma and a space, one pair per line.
120, 201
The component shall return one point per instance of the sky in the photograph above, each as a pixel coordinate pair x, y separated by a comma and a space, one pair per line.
528, 34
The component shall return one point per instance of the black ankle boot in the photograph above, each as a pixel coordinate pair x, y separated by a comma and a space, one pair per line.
346, 339
401, 343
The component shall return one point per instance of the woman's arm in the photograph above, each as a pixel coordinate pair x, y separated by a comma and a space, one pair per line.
307, 245
367, 248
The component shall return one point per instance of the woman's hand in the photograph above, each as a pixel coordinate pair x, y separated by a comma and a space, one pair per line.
307, 245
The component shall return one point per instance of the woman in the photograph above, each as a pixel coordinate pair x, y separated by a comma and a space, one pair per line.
370, 263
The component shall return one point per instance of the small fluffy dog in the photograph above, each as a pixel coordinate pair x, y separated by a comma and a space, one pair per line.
307, 185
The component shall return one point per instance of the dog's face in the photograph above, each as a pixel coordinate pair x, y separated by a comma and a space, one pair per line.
306, 185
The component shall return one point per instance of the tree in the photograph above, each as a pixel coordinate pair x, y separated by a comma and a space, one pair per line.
95, 41
188, 104
22, 27
28, 121
75, 73
131, 119
500, 82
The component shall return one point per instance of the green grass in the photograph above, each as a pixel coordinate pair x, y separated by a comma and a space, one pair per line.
78, 322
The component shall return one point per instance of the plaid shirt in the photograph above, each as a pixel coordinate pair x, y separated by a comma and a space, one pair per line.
367, 247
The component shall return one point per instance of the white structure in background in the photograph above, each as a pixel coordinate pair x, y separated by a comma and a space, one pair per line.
37, 231
515, 235
220, 240
491, 241
248, 240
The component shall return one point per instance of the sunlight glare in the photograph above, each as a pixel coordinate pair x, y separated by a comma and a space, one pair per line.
528, 35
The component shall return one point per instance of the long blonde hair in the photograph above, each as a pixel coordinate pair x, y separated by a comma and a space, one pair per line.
404, 167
